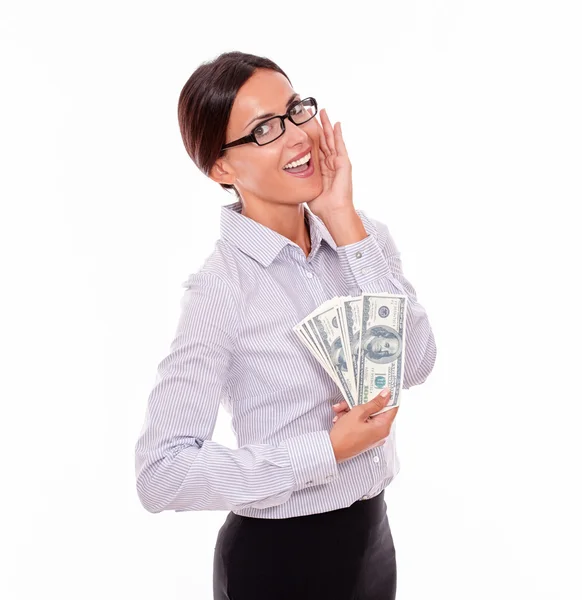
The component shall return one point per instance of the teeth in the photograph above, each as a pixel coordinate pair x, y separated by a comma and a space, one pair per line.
301, 161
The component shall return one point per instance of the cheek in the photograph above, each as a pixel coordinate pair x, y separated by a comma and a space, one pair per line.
268, 165
263, 172
259, 165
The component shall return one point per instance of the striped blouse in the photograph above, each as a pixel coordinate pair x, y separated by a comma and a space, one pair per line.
234, 345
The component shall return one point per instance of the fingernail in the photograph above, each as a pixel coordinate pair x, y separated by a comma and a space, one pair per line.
336, 405
335, 419
385, 392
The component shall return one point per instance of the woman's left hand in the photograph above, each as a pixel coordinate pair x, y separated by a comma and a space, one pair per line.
336, 172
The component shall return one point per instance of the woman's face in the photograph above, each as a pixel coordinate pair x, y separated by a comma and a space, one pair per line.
257, 171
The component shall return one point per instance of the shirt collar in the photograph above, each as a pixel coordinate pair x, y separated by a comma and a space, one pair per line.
259, 241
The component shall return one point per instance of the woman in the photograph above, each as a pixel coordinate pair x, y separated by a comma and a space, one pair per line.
305, 489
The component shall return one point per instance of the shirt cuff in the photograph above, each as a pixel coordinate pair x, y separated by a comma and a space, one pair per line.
363, 262
312, 458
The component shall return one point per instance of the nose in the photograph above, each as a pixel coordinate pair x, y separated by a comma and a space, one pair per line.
294, 133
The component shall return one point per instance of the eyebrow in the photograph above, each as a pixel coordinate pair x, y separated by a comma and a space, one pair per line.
289, 102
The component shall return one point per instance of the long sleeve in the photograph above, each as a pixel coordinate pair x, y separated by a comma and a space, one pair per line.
374, 265
178, 466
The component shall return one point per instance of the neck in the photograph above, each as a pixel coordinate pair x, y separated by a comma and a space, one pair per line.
289, 220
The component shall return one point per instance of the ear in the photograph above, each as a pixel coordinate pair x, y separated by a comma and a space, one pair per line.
222, 172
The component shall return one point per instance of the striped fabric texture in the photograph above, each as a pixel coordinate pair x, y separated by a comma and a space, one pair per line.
234, 345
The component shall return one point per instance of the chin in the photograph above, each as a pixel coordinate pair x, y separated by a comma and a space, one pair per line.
316, 191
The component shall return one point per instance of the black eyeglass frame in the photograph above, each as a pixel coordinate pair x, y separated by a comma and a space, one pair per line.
251, 137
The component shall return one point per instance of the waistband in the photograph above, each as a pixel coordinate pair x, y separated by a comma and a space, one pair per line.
362, 512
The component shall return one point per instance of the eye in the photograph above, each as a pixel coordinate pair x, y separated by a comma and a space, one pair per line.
262, 129
297, 109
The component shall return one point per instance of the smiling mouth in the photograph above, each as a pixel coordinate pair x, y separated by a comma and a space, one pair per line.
300, 168
303, 171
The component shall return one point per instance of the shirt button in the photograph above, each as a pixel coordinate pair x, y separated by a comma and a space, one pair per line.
309, 482
364, 498
309, 274
376, 459
358, 255
365, 270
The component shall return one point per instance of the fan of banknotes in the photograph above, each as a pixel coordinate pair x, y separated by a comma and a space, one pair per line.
359, 341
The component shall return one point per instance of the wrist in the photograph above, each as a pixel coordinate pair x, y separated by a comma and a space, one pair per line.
345, 227
334, 447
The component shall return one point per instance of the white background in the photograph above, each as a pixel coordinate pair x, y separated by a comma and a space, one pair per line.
463, 124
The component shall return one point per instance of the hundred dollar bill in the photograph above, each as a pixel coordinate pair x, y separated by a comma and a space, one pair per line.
345, 357
327, 324
314, 336
351, 312
306, 337
307, 330
382, 339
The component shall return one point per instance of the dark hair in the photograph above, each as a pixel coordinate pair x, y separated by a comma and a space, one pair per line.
206, 101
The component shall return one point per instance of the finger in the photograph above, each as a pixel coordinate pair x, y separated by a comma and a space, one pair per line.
323, 151
388, 415
385, 419
339, 140
328, 130
322, 142
343, 405
340, 415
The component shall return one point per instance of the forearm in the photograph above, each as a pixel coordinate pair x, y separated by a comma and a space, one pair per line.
345, 227
214, 477
372, 264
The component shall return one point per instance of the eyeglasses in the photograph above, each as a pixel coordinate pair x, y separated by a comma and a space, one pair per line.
271, 129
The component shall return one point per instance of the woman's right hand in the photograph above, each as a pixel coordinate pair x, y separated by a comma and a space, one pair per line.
356, 431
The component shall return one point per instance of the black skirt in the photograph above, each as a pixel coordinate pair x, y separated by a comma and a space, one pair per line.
344, 554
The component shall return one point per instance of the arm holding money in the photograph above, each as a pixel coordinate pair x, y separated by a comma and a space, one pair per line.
368, 256
373, 264
178, 465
